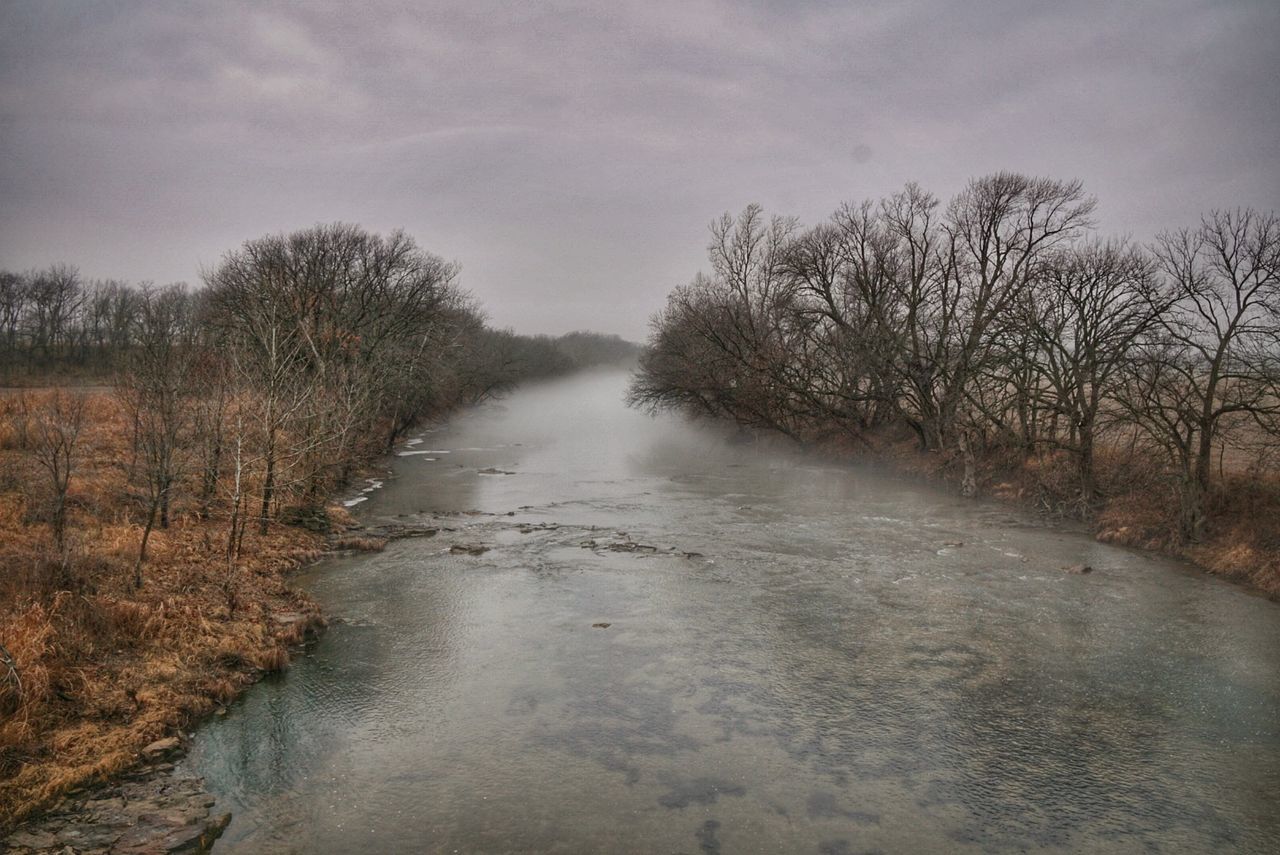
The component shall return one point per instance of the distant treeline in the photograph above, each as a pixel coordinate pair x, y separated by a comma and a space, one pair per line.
57, 325
539, 356
998, 323
302, 357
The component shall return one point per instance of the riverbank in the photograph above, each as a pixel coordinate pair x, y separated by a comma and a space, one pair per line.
150, 810
651, 635
95, 666
107, 671
103, 669
1138, 508
229, 650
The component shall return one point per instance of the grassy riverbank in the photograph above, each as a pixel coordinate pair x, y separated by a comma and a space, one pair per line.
1138, 505
1020, 352
149, 521
106, 668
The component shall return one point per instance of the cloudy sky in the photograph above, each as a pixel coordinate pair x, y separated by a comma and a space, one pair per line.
570, 154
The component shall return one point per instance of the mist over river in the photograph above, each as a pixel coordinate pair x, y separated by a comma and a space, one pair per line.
799, 656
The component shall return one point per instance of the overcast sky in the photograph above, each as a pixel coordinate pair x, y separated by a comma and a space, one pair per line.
570, 155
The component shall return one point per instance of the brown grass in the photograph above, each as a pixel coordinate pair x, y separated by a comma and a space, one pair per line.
106, 669
1244, 533
1139, 507
358, 543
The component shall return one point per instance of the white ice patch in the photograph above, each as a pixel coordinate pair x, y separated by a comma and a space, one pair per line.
373, 483
415, 441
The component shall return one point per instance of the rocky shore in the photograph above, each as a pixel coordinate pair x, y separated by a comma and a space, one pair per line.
153, 810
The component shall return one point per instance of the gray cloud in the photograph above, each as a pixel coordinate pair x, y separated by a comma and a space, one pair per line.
570, 154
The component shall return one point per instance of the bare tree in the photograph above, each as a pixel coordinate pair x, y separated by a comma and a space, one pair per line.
315, 315
53, 427
998, 232
236, 518
154, 390
211, 372
1090, 309
1215, 355
841, 363
13, 303
56, 296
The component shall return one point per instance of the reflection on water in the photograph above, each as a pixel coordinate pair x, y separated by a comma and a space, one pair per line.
803, 662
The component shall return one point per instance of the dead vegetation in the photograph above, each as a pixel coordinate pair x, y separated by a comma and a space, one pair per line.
147, 524
1137, 503
104, 667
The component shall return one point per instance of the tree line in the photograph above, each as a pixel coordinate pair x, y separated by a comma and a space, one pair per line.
248, 400
1000, 321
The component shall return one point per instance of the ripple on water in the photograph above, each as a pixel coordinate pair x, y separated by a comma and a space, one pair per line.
839, 679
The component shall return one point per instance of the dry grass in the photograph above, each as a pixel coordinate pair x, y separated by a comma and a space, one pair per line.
358, 543
1244, 532
106, 669
1139, 507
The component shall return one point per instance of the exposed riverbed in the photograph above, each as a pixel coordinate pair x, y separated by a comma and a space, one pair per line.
631, 634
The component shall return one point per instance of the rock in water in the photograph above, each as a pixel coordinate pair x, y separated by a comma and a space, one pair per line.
1078, 569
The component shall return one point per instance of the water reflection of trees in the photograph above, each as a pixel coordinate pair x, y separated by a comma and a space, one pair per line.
378, 675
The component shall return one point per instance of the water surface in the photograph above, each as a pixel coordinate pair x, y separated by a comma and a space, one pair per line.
800, 657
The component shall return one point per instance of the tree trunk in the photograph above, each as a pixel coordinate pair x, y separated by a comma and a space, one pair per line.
268, 486
142, 550
1088, 487
1196, 488
60, 522
1192, 522
969, 483
209, 481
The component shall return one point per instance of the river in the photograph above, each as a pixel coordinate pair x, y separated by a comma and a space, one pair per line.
799, 657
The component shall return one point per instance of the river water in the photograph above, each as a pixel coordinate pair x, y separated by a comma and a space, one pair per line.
798, 658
